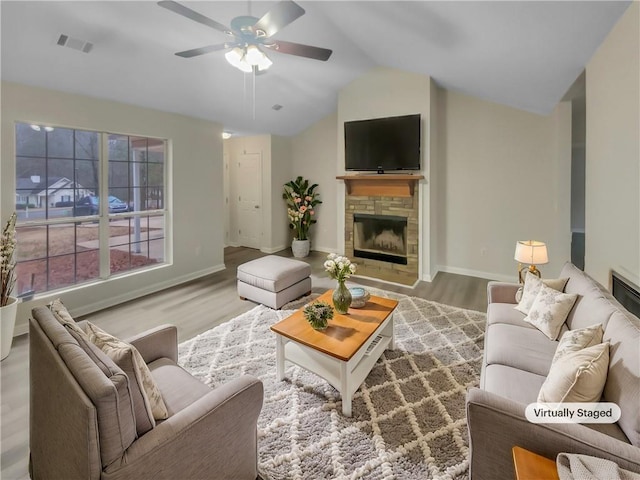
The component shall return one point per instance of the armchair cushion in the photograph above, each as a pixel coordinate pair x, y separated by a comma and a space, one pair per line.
110, 395
129, 359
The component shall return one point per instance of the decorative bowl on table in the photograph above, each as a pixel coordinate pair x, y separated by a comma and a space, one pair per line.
359, 297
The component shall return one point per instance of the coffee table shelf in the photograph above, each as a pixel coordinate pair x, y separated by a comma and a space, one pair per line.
345, 367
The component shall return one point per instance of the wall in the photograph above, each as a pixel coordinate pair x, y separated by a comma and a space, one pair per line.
503, 175
281, 166
385, 92
612, 211
314, 157
194, 186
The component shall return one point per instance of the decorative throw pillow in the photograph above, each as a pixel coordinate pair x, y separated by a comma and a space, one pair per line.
549, 310
577, 376
531, 288
127, 357
62, 315
575, 340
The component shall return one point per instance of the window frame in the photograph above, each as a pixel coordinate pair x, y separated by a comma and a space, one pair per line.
103, 217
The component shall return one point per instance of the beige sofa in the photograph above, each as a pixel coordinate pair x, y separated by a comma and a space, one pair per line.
83, 422
517, 358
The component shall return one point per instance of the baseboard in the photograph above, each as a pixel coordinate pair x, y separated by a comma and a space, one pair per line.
479, 274
273, 249
23, 327
323, 249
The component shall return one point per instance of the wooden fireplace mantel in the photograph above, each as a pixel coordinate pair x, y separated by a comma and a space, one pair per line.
381, 185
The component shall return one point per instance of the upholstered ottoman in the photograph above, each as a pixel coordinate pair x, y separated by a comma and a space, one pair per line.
273, 280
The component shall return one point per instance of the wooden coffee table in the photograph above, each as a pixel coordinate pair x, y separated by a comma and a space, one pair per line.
345, 352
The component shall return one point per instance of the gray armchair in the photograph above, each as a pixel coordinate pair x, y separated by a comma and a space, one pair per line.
82, 420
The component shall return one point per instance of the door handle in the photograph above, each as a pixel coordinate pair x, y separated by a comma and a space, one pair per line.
256, 206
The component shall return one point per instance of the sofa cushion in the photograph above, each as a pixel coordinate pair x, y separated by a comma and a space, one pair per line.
574, 340
505, 313
594, 303
179, 388
577, 376
526, 349
64, 317
111, 398
550, 310
623, 380
531, 289
273, 273
128, 358
513, 383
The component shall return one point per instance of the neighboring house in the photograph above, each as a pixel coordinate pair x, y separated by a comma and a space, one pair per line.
38, 194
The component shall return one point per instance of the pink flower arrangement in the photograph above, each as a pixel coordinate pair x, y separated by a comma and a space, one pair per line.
301, 198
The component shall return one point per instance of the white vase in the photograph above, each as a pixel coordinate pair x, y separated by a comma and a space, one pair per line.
300, 248
7, 323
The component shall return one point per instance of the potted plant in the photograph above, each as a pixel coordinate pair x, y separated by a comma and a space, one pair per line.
8, 304
301, 201
318, 315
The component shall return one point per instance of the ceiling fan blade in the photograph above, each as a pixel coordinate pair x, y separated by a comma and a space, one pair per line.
202, 50
281, 15
300, 50
195, 16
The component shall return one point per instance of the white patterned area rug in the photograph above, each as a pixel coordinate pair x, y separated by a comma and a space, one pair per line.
408, 417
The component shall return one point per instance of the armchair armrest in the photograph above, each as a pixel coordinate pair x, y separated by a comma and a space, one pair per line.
158, 342
496, 424
216, 436
502, 292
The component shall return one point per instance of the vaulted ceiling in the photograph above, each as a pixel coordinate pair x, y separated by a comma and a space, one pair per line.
522, 54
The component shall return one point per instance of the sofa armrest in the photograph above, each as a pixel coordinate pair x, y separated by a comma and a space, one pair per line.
502, 292
158, 342
216, 436
497, 424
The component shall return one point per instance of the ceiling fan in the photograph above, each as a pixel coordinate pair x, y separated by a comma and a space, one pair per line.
251, 35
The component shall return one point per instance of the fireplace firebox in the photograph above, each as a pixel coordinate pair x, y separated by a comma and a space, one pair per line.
380, 237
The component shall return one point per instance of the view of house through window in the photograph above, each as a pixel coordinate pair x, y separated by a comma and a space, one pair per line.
89, 205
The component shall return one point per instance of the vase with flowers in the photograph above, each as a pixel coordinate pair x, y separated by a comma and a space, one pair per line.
318, 315
301, 199
8, 304
340, 268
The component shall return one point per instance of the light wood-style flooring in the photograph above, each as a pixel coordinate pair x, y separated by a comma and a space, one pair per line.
194, 307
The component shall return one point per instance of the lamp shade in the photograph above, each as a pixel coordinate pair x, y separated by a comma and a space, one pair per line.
531, 252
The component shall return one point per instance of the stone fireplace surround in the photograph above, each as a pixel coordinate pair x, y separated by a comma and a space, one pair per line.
389, 203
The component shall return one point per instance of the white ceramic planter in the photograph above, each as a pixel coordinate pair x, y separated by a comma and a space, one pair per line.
7, 323
300, 248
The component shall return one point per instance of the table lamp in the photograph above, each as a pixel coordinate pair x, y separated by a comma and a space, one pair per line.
531, 252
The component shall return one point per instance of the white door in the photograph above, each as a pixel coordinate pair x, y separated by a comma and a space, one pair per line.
227, 205
249, 199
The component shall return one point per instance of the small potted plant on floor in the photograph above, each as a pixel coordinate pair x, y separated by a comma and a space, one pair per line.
8, 304
301, 200
318, 314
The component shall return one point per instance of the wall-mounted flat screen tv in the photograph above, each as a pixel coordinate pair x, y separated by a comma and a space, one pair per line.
383, 144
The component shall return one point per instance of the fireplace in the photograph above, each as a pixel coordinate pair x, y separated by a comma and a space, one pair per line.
626, 293
380, 237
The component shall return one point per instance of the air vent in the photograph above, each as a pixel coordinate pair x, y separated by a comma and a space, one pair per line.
277, 107
75, 43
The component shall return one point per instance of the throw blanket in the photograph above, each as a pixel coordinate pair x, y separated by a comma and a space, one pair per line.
572, 466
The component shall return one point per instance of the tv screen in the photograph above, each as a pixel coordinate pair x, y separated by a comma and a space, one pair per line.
381, 144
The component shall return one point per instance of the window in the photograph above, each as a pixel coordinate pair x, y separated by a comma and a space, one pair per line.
90, 205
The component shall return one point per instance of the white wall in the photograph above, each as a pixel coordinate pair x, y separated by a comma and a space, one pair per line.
281, 166
385, 92
503, 176
194, 186
612, 211
314, 157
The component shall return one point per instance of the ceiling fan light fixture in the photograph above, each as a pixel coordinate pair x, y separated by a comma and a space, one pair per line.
234, 56
253, 56
264, 63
